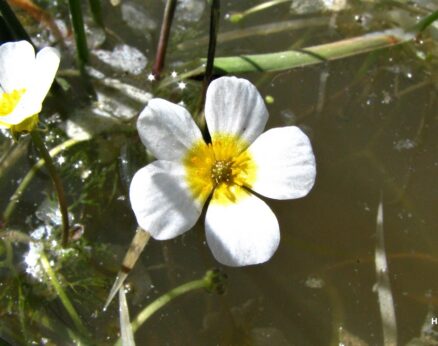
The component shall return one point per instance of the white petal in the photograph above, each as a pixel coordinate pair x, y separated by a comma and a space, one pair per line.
285, 163
37, 81
234, 106
17, 63
167, 129
242, 233
162, 201
47, 63
23, 111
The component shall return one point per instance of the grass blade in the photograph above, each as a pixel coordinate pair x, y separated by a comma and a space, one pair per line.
79, 31
127, 335
312, 55
383, 287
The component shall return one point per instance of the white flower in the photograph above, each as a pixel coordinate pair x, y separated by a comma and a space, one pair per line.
168, 195
25, 80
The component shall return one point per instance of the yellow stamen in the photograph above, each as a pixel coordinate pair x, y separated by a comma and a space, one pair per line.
223, 166
8, 101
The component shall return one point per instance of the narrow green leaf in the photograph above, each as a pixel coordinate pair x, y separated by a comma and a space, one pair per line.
79, 31
96, 12
425, 22
313, 55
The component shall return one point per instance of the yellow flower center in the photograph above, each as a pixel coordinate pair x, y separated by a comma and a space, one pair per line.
8, 101
223, 166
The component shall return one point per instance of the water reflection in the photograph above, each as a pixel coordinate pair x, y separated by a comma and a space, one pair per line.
372, 121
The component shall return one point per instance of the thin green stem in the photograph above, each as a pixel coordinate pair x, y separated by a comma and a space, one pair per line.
56, 181
214, 28
206, 282
31, 174
8, 261
169, 12
156, 305
21, 313
61, 294
96, 11
425, 22
79, 31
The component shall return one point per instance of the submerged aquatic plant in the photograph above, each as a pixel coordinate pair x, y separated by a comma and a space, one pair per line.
25, 80
168, 195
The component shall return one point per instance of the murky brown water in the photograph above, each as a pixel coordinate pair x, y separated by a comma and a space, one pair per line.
372, 121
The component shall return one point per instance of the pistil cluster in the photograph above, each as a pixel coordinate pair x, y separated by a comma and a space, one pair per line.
222, 172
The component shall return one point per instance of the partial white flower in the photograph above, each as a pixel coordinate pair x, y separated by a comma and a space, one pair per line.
25, 80
168, 195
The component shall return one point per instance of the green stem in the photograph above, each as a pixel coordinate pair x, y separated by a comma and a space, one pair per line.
425, 22
206, 282
169, 11
79, 31
96, 12
214, 28
62, 295
156, 305
21, 313
56, 181
30, 175
13, 23
8, 261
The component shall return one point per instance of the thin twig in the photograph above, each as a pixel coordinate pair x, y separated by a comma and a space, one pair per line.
138, 243
169, 12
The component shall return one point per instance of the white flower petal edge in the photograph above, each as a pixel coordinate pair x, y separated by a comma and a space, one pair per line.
46, 65
285, 162
167, 129
17, 63
234, 106
243, 233
161, 200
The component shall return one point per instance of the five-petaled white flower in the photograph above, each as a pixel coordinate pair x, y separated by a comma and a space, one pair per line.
25, 80
168, 195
